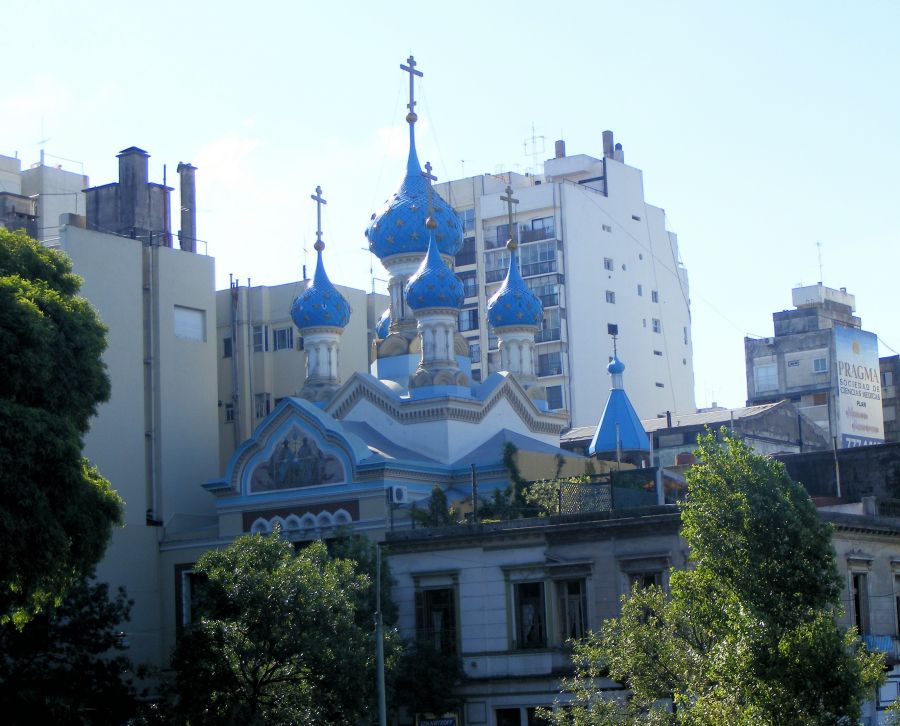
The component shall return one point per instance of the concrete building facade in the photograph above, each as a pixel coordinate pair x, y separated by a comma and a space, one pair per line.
822, 360
596, 253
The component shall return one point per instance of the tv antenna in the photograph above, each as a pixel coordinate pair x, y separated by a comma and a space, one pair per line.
534, 148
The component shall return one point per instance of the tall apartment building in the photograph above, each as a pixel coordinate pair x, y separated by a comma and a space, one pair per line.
597, 254
155, 439
261, 358
822, 360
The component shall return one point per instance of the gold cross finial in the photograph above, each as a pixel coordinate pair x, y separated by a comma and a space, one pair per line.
411, 69
317, 198
430, 221
510, 243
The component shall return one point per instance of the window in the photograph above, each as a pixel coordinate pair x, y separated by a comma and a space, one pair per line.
607, 228
887, 378
470, 284
685, 333
229, 413
610, 297
260, 338
652, 578
550, 329
466, 254
476, 375
467, 217
262, 404
820, 399
283, 338
660, 385
654, 296
860, 601
640, 290
550, 364
512, 716
572, 609
190, 323
541, 228
546, 287
635, 218
766, 377
608, 264
531, 631
475, 352
555, 398
189, 587
657, 325
820, 365
468, 319
657, 352
226, 347
436, 618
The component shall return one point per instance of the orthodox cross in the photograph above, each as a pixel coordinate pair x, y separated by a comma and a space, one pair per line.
317, 198
431, 178
411, 69
509, 214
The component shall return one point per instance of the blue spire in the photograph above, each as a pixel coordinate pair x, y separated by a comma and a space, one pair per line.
320, 305
619, 427
397, 229
514, 303
434, 285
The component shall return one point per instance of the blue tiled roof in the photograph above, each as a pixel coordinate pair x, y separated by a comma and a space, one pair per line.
400, 226
514, 303
320, 305
434, 285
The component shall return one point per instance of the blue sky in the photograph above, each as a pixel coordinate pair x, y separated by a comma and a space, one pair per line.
761, 128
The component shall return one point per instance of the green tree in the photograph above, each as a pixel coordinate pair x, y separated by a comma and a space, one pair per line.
67, 664
279, 640
427, 679
747, 634
56, 511
439, 513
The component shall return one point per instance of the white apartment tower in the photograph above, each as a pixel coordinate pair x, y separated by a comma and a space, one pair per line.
597, 254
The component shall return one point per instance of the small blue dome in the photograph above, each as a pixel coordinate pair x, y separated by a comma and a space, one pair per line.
434, 285
400, 227
615, 366
383, 326
514, 303
320, 305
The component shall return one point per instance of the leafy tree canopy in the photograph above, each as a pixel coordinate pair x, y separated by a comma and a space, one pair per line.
279, 640
67, 665
56, 511
747, 634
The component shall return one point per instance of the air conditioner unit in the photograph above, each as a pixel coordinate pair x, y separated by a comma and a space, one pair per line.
399, 495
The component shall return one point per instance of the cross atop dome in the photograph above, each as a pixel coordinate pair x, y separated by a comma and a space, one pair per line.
429, 220
317, 198
511, 242
411, 117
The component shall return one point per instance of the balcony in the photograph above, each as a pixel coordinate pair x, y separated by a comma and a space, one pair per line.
544, 267
887, 644
549, 301
536, 235
545, 336
544, 371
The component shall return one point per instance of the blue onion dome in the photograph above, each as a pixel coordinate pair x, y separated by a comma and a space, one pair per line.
383, 326
320, 305
615, 367
514, 304
434, 285
400, 227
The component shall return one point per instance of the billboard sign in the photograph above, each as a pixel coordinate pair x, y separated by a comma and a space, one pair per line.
859, 417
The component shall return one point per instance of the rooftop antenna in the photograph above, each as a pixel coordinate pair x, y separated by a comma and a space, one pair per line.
819, 250
43, 141
535, 150
462, 163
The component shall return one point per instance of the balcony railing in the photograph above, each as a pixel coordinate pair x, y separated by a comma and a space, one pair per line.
539, 268
549, 301
535, 235
544, 336
887, 644
549, 371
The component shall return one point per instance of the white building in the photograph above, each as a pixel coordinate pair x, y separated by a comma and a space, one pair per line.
596, 253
